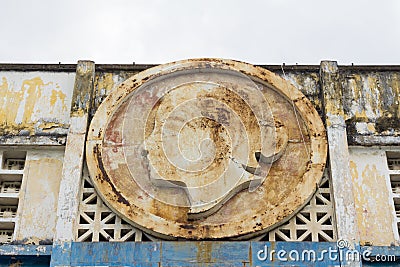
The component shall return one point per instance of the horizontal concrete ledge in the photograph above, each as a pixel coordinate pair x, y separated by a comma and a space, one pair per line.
140, 67
373, 140
38, 67
33, 140
58, 140
72, 67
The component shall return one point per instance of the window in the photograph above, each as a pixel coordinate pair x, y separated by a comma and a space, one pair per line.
11, 173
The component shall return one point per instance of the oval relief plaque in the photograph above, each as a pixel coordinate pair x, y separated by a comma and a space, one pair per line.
205, 149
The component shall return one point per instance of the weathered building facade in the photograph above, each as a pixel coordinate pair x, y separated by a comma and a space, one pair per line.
69, 159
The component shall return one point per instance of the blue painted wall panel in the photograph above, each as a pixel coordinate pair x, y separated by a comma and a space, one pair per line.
61, 254
194, 254
148, 252
115, 254
178, 253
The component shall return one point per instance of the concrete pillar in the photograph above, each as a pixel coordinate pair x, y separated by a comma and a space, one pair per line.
342, 185
68, 202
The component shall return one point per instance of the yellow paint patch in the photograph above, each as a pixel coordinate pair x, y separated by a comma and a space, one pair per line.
33, 88
79, 113
371, 195
353, 170
361, 116
18, 105
371, 127
58, 95
9, 102
49, 126
104, 81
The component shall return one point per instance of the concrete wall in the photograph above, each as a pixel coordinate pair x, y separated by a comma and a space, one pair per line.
35, 110
39, 196
374, 207
35, 103
371, 104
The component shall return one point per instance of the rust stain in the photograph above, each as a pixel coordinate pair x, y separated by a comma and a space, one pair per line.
104, 176
204, 252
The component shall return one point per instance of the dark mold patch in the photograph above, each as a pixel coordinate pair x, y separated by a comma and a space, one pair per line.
385, 123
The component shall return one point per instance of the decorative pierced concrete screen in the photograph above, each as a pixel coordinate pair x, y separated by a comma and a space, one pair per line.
315, 222
97, 222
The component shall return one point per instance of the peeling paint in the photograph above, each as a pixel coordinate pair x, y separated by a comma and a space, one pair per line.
342, 186
40, 196
373, 208
309, 84
69, 188
372, 98
29, 100
105, 83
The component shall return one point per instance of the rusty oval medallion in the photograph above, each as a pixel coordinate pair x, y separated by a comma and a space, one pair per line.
206, 149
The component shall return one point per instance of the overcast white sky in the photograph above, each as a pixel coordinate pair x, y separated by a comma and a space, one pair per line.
259, 32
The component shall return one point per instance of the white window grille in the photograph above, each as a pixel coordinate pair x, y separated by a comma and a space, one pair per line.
6, 236
395, 183
11, 174
8, 211
315, 222
10, 187
394, 164
15, 164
